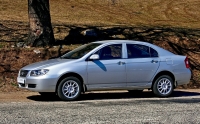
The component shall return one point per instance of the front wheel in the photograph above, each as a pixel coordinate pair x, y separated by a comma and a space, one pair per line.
163, 86
69, 89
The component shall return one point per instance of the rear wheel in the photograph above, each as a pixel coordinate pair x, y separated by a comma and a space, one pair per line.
69, 89
163, 86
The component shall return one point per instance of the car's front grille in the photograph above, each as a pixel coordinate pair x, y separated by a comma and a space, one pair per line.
23, 73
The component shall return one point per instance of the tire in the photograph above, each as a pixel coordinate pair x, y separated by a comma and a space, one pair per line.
69, 89
163, 86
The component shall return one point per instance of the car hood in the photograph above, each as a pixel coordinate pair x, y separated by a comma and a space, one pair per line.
45, 64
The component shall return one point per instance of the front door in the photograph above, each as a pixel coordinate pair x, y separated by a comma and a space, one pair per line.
109, 71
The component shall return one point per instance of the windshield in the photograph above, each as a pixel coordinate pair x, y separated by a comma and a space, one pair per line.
80, 51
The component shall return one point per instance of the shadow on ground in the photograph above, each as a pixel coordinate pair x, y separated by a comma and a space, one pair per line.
112, 95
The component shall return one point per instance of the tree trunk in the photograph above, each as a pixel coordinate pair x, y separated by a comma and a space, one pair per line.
41, 32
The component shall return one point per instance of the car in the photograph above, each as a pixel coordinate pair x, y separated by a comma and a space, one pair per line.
107, 65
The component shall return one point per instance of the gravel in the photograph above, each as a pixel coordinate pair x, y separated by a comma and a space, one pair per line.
88, 110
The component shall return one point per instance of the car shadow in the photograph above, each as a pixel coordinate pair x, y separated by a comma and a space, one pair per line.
111, 95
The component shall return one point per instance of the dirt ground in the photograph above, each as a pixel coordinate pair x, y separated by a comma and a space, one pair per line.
20, 96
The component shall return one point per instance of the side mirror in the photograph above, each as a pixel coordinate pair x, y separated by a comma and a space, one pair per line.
94, 57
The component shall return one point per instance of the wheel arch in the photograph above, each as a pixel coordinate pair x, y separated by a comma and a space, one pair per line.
74, 75
164, 73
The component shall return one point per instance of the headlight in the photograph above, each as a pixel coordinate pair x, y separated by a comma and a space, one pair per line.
39, 72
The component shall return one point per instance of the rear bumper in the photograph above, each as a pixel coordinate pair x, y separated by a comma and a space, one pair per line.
183, 77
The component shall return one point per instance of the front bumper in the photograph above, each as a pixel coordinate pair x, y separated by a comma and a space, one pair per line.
38, 84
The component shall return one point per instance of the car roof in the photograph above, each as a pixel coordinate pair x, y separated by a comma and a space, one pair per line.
119, 41
125, 41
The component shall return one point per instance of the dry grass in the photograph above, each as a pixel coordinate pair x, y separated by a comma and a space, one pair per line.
179, 13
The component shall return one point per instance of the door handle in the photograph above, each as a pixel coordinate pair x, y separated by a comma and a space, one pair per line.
154, 61
121, 63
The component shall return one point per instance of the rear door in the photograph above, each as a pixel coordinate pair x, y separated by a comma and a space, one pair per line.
141, 65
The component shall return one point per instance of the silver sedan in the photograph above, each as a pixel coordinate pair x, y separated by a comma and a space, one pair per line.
107, 65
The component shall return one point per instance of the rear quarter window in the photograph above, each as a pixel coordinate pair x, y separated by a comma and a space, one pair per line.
153, 52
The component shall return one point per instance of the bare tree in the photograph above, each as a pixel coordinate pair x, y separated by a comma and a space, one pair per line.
41, 32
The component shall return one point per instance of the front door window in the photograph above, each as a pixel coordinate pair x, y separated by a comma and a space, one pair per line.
110, 52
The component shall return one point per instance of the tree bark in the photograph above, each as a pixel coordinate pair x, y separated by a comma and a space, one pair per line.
41, 32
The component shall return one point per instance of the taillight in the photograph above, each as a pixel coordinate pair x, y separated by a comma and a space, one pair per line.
187, 63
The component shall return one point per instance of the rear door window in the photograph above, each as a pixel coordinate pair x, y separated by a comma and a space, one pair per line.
140, 51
